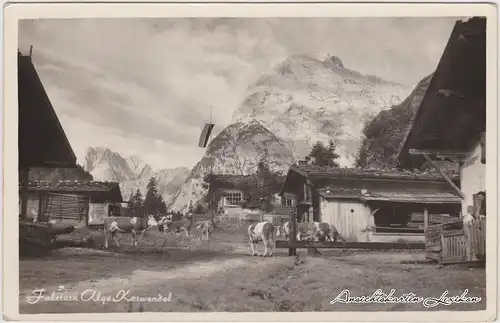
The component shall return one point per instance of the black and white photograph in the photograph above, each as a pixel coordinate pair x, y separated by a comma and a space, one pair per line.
254, 164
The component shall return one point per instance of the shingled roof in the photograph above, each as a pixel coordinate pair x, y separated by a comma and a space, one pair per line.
78, 186
413, 196
452, 114
317, 172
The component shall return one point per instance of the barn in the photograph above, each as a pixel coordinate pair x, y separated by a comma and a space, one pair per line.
456, 96
75, 202
372, 205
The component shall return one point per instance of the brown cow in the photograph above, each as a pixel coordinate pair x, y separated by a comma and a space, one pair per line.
262, 231
179, 225
318, 231
121, 224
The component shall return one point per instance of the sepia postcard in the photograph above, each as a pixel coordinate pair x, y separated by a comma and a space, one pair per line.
250, 162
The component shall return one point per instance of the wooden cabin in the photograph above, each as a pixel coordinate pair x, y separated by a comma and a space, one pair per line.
75, 202
450, 123
231, 193
371, 205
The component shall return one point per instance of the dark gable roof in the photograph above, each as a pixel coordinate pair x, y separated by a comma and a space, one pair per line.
318, 172
112, 189
453, 112
42, 141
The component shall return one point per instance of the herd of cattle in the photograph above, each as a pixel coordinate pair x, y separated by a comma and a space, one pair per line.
264, 232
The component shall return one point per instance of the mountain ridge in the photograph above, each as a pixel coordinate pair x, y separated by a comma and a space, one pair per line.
132, 173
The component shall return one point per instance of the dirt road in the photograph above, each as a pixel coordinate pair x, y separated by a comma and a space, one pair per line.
221, 276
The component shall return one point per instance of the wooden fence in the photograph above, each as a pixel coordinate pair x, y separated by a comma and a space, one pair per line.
447, 244
36, 233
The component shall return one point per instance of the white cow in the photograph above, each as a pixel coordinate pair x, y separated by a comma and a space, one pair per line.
262, 231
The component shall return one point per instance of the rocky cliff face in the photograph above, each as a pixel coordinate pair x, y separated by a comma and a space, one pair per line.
304, 100
132, 173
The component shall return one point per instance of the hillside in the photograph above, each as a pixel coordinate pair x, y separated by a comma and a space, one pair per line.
384, 135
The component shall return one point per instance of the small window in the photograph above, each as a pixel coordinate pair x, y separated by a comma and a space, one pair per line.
234, 199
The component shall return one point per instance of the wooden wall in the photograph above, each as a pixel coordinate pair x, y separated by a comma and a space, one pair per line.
350, 217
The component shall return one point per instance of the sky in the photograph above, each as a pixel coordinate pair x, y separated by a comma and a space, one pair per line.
144, 86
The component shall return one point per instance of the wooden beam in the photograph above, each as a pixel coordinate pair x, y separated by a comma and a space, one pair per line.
443, 153
351, 245
447, 93
426, 219
429, 160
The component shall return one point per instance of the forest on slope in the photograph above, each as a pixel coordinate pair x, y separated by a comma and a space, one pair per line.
384, 135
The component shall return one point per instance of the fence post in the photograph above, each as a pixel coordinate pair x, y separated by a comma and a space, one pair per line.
293, 236
444, 249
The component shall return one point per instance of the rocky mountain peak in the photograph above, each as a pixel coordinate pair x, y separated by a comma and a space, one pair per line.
304, 100
332, 59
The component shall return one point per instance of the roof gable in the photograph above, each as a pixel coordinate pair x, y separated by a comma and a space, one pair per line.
42, 141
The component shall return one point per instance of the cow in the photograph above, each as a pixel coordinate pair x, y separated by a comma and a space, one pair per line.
122, 224
312, 231
206, 228
262, 231
162, 222
285, 230
180, 225
325, 232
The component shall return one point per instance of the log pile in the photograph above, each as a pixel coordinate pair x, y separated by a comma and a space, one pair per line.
64, 207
